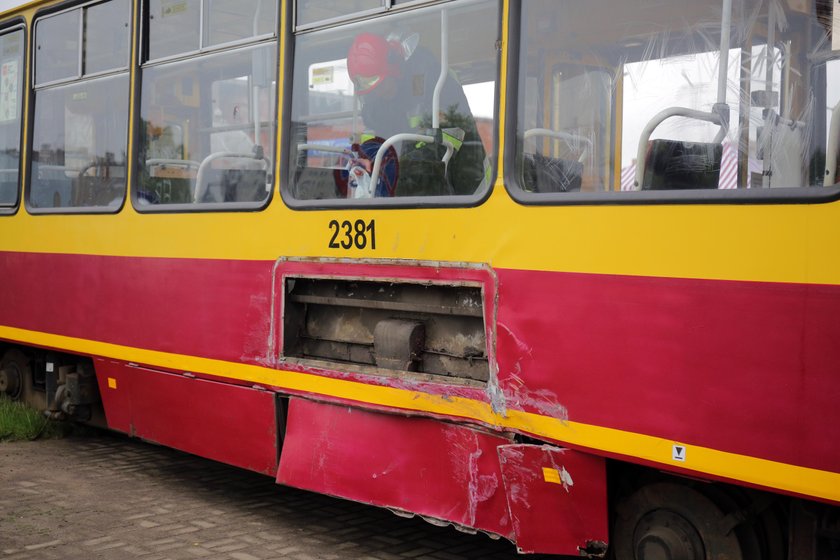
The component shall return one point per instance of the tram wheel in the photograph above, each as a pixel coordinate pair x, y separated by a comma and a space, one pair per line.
16, 379
668, 521
761, 534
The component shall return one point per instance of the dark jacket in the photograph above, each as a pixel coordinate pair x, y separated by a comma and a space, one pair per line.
420, 171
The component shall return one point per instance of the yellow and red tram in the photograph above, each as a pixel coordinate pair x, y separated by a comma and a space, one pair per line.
555, 271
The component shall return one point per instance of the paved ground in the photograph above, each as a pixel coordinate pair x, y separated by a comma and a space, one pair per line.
108, 497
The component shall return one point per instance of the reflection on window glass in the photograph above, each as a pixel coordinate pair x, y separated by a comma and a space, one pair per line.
313, 11
363, 119
628, 96
174, 27
234, 20
79, 144
208, 129
57, 47
832, 127
11, 101
79, 136
106, 36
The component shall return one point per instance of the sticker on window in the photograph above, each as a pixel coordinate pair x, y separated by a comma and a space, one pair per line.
172, 8
8, 90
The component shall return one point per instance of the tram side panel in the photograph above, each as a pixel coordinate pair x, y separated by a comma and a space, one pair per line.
127, 313
215, 309
746, 369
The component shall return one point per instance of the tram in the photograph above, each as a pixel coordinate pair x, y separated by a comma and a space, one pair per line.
556, 271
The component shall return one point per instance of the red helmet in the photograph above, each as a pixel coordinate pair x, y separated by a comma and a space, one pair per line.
370, 59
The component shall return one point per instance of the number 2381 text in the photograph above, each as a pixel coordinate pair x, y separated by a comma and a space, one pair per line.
347, 234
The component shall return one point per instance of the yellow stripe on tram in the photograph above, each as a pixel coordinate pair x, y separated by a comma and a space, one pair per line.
791, 478
689, 241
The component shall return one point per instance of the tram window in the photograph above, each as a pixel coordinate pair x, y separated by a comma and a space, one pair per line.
619, 97
361, 86
175, 27
80, 126
207, 131
57, 47
79, 145
832, 117
11, 101
235, 20
106, 29
308, 12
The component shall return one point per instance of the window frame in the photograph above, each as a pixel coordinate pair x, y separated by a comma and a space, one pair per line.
11, 26
786, 195
79, 79
127, 66
145, 61
36, 21
216, 50
80, 74
381, 203
385, 6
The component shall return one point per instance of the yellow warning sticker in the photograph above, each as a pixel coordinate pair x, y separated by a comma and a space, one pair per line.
322, 76
551, 475
112, 383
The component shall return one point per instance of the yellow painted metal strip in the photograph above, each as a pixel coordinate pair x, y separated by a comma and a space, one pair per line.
770, 474
766, 243
281, 91
503, 77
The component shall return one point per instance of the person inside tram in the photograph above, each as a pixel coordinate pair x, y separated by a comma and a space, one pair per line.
395, 82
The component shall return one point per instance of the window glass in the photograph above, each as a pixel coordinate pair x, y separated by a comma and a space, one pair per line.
208, 129
629, 96
832, 120
106, 36
174, 27
234, 20
79, 144
57, 47
313, 11
79, 133
11, 104
363, 120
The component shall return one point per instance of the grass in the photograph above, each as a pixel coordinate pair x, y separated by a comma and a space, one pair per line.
19, 422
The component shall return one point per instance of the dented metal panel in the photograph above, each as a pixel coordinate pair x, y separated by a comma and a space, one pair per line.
557, 499
434, 469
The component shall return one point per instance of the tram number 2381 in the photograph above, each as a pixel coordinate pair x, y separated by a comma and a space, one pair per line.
347, 234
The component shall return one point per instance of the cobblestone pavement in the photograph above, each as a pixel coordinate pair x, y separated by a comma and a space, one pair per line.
108, 497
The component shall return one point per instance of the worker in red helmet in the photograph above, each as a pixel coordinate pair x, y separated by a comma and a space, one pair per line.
395, 82
373, 60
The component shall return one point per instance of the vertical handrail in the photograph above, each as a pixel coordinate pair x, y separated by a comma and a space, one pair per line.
725, 25
768, 96
255, 114
444, 67
832, 152
255, 92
